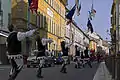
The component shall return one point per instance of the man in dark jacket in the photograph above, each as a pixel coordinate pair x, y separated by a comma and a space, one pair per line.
41, 45
14, 49
65, 49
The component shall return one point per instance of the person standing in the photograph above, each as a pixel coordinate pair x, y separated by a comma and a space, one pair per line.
14, 49
77, 56
65, 50
87, 57
41, 45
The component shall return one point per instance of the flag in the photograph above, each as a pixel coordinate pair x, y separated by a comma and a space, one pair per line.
78, 7
29, 1
90, 16
89, 25
93, 11
34, 6
70, 14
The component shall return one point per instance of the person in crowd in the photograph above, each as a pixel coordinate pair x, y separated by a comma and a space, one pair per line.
42, 43
65, 49
87, 57
14, 49
77, 56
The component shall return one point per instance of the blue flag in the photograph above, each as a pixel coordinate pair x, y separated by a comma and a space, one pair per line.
89, 25
71, 13
29, 1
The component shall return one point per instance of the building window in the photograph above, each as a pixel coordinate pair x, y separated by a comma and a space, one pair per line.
41, 20
49, 1
54, 28
59, 30
51, 26
48, 24
46, 0
38, 20
9, 18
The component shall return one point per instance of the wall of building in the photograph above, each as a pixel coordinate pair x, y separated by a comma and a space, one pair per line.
52, 19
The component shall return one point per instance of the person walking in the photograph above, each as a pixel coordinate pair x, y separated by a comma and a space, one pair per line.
65, 50
87, 57
41, 45
77, 56
14, 49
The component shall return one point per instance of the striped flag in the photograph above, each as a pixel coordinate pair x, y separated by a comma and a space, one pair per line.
93, 11
33, 5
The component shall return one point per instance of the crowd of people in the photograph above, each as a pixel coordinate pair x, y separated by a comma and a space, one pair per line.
14, 52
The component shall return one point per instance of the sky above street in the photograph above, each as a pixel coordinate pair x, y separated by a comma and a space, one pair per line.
101, 22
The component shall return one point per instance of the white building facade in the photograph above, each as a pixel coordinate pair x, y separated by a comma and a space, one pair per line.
78, 38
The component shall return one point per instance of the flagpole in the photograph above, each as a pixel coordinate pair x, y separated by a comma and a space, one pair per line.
92, 1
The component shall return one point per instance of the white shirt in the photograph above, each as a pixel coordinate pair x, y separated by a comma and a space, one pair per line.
23, 35
45, 41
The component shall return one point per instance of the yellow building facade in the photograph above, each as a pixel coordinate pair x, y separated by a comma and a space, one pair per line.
51, 19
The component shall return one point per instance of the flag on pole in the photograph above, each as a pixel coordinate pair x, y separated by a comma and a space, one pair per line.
78, 7
93, 11
33, 5
70, 14
89, 25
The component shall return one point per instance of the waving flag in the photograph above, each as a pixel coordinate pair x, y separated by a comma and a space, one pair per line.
70, 14
93, 11
89, 25
33, 5
78, 7
90, 16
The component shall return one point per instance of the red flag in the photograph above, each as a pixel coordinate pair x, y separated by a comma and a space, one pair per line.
34, 6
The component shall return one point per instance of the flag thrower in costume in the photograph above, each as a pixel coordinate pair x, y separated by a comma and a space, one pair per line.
41, 43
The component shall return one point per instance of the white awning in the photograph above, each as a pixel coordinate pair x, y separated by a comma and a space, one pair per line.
1, 34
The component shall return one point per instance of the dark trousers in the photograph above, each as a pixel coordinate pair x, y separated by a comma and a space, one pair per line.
14, 66
64, 66
39, 71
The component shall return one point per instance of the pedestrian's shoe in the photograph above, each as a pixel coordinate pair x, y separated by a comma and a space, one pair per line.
64, 71
39, 76
10, 75
75, 66
14, 75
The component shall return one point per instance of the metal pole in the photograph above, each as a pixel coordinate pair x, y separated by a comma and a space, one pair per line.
117, 36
